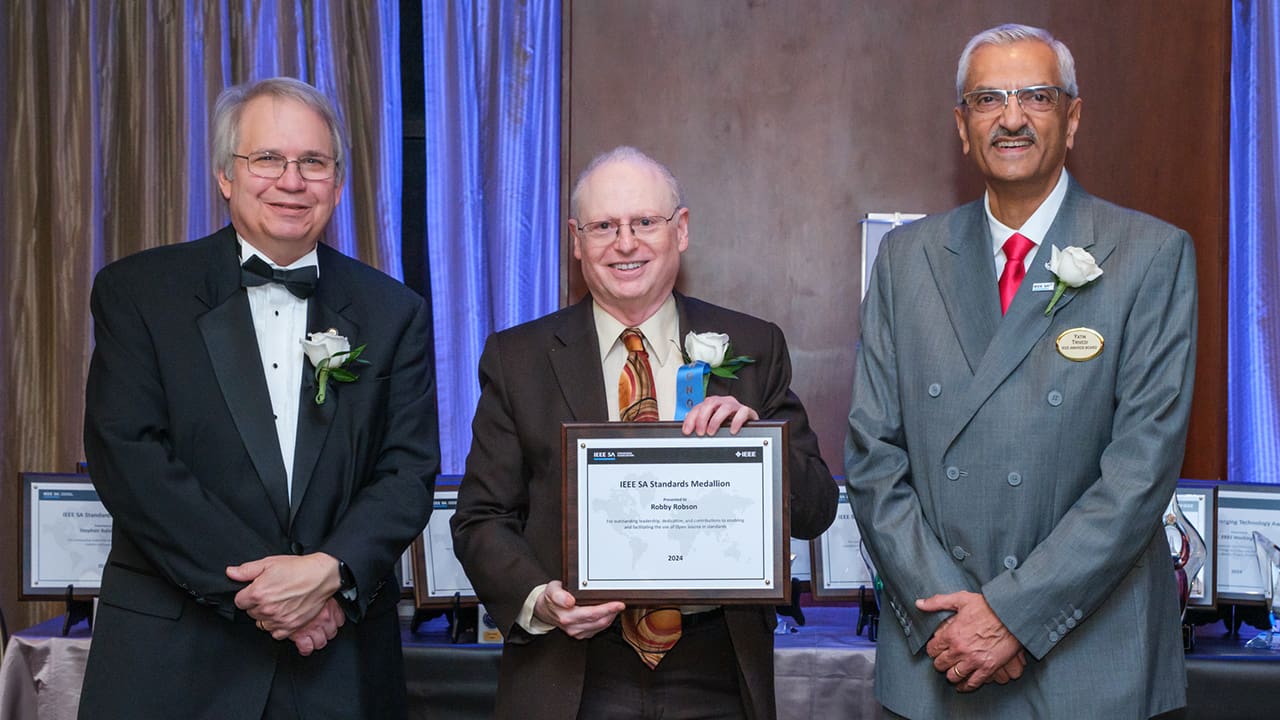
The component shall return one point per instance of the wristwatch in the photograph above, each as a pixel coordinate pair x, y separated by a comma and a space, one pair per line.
346, 578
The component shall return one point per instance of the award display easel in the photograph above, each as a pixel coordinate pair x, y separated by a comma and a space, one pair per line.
76, 610
868, 613
793, 611
463, 619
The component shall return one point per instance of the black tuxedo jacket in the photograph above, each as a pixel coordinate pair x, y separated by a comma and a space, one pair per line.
507, 528
182, 447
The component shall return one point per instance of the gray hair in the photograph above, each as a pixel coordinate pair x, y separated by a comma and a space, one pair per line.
623, 153
1009, 34
232, 101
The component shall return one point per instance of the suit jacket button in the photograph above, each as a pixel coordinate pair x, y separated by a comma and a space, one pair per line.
959, 553
1071, 623
1053, 636
1062, 629
1015, 479
935, 390
296, 548
1010, 562
1077, 614
953, 473
1054, 398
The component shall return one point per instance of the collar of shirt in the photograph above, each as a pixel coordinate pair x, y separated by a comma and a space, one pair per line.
247, 250
1034, 229
662, 341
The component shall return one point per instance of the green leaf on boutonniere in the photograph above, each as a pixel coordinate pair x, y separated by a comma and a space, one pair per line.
729, 368
343, 375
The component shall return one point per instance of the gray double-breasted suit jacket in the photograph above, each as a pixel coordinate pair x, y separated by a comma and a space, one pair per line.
182, 447
979, 458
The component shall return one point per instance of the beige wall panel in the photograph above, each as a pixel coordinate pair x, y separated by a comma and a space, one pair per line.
787, 120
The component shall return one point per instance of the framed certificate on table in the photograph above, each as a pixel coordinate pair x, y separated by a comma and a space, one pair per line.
652, 515
404, 571
66, 536
839, 572
1243, 509
438, 579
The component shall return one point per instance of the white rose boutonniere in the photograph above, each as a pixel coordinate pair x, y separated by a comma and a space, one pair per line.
716, 351
705, 354
332, 357
1074, 267
708, 347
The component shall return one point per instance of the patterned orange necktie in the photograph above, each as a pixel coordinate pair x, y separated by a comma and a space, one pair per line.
636, 401
650, 631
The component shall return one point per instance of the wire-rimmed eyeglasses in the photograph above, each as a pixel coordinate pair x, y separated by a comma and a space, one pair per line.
1035, 98
641, 227
270, 166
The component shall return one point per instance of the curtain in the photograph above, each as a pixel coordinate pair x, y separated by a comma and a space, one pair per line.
492, 89
1253, 323
104, 150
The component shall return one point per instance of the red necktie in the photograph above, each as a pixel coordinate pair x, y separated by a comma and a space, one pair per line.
650, 631
1015, 251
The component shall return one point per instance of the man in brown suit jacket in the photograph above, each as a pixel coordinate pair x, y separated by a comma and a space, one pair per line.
561, 660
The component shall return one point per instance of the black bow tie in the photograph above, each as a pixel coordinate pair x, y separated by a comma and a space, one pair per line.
301, 282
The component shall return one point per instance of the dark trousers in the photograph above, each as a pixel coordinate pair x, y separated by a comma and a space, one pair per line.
697, 680
282, 702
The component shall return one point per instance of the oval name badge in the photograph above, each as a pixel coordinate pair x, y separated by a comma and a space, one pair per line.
1080, 344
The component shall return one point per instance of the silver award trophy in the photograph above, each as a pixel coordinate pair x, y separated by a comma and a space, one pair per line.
1188, 550
1269, 569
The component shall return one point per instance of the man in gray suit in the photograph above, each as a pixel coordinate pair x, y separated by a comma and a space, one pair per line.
1013, 439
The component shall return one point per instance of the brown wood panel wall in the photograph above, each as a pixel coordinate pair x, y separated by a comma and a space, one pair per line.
788, 120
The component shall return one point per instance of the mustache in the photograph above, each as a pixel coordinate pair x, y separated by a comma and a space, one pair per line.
1025, 131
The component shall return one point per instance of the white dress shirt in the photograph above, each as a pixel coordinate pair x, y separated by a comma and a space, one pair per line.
280, 323
1034, 229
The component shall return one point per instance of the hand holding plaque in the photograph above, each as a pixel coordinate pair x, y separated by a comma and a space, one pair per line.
557, 606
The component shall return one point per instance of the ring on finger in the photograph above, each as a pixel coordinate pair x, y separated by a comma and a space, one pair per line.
956, 669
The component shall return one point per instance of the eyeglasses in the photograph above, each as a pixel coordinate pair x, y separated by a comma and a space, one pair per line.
641, 227
270, 166
1037, 98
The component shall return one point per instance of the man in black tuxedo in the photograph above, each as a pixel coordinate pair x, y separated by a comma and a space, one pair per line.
258, 509
561, 660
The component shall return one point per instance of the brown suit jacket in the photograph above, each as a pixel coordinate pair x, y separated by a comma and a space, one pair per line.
507, 528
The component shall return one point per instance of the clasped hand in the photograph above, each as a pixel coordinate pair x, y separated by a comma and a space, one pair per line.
972, 647
291, 597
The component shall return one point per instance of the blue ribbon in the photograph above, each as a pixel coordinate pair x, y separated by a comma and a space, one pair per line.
689, 387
